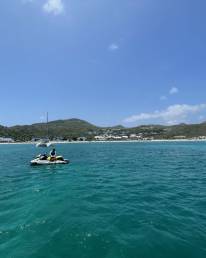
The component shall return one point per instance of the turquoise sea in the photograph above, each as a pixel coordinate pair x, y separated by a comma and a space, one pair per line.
115, 200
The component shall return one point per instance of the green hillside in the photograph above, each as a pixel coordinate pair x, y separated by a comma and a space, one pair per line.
67, 129
73, 128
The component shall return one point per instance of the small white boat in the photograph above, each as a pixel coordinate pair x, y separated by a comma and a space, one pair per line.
45, 144
42, 160
50, 144
42, 144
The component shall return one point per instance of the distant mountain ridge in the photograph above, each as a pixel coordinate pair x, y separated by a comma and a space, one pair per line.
73, 128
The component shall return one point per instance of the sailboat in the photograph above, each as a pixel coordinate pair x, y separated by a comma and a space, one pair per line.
44, 159
45, 142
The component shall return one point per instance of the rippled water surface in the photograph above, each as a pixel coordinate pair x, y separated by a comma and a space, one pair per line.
115, 200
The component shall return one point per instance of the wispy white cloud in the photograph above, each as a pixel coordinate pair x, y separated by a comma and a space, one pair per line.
173, 91
163, 97
55, 7
172, 115
113, 47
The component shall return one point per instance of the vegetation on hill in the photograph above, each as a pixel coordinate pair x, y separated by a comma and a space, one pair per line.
64, 129
74, 128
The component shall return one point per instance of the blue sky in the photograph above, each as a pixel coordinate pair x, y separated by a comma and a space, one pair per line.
109, 62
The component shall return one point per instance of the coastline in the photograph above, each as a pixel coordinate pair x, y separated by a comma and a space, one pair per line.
117, 141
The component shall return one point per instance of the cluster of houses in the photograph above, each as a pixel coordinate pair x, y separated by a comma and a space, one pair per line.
200, 138
106, 137
6, 140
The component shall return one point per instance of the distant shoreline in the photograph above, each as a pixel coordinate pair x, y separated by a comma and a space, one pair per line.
118, 141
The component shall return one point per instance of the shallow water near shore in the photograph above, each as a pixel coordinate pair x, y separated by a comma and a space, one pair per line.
114, 200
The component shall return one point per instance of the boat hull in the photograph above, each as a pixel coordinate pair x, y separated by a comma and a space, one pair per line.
38, 162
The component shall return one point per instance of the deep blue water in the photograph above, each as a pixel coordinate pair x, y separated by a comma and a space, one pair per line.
115, 200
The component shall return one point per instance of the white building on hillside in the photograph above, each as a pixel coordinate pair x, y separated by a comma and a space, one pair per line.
100, 138
6, 140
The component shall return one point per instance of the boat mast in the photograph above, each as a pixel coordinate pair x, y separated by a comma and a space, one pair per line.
47, 123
